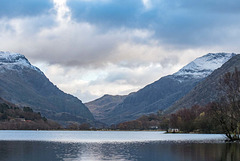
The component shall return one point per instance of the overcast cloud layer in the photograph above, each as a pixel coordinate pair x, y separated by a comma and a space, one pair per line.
92, 47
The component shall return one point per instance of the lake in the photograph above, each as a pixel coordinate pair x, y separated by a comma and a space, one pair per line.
114, 145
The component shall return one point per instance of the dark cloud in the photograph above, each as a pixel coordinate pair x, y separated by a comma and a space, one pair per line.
179, 22
115, 13
19, 8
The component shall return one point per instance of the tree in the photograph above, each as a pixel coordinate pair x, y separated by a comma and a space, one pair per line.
227, 110
84, 126
73, 126
27, 109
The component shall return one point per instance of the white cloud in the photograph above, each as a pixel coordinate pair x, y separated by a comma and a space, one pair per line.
89, 62
63, 12
90, 83
147, 3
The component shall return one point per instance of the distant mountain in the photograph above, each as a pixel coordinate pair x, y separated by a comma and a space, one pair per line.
167, 90
104, 105
208, 90
25, 85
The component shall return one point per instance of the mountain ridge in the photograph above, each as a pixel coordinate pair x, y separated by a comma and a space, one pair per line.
162, 93
10, 60
207, 90
203, 66
25, 85
104, 105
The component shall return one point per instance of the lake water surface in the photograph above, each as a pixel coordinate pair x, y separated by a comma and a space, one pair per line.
114, 145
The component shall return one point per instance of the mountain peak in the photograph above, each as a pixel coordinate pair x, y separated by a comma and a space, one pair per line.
25, 85
208, 90
14, 61
203, 66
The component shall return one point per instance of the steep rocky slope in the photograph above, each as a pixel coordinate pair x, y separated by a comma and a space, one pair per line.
167, 90
24, 84
208, 90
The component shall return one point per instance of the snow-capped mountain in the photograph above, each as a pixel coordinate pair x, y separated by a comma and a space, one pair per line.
25, 85
164, 92
15, 61
203, 66
208, 90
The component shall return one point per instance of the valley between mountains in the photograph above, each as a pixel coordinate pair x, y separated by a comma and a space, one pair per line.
165, 93
24, 85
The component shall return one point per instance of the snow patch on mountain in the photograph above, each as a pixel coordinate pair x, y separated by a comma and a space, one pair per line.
15, 61
202, 66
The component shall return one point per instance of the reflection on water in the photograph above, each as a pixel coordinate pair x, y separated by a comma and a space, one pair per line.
102, 145
163, 151
103, 136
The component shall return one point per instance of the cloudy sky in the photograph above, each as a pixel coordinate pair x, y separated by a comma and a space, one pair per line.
94, 47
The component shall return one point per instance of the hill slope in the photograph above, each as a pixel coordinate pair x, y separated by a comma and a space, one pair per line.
167, 90
15, 118
207, 90
104, 105
24, 84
